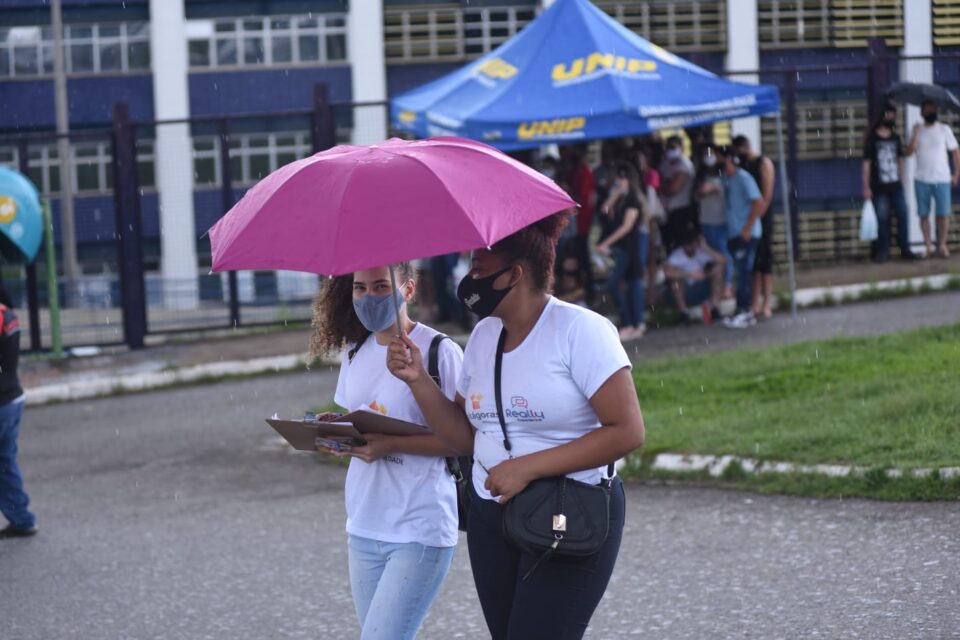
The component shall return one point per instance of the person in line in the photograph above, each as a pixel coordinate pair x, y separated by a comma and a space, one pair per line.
583, 191
572, 410
744, 206
761, 169
695, 274
401, 501
932, 141
627, 239
882, 174
677, 176
14, 501
713, 216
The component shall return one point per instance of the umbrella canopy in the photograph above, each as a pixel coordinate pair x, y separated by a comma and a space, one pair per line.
21, 221
574, 73
918, 93
357, 207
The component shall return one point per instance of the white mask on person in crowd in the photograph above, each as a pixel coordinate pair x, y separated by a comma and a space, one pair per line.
710, 160
674, 153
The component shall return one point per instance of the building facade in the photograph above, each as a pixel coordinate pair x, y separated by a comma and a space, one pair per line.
183, 59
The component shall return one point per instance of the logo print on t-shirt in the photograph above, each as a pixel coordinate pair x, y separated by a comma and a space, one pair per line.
521, 412
379, 408
475, 400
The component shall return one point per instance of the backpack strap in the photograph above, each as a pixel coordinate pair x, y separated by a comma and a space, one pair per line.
356, 347
433, 368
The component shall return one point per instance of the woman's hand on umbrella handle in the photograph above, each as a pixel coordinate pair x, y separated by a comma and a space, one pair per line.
404, 359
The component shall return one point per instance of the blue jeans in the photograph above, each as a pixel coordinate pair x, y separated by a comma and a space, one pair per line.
744, 253
938, 191
629, 269
716, 237
394, 585
882, 203
441, 272
13, 500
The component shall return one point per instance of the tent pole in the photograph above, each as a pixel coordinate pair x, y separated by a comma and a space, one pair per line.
785, 194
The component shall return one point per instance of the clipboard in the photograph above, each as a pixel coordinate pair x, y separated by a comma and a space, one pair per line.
302, 434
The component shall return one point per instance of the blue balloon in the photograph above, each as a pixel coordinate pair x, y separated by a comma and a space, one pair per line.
21, 220
573, 74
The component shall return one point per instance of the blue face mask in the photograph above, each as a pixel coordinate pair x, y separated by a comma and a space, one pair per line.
377, 313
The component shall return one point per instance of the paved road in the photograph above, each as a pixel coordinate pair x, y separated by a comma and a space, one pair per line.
176, 515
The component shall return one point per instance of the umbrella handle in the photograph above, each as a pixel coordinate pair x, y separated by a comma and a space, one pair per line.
396, 304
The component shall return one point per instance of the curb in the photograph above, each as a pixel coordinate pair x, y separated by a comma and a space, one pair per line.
717, 465
108, 385
839, 294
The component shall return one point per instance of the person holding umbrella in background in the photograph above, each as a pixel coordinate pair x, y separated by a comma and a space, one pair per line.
882, 175
21, 230
931, 141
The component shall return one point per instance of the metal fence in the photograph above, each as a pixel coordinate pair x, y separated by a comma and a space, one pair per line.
146, 192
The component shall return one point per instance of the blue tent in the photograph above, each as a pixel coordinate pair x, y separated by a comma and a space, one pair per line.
574, 74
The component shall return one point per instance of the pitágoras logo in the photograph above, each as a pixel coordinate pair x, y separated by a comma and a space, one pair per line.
556, 128
597, 64
8, 209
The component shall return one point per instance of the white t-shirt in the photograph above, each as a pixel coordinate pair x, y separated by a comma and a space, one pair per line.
689, 264
933, 143
547, 384
401, 497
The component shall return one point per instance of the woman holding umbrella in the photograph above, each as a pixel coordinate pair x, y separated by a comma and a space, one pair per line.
569, 409
400, 499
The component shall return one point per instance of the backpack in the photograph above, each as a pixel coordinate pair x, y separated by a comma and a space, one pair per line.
460, 467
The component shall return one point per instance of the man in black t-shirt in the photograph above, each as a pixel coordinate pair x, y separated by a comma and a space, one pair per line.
13, 499
882, 172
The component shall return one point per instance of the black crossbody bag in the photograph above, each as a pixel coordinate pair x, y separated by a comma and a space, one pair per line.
556, 515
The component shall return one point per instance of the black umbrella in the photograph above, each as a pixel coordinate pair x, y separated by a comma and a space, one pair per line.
917, 93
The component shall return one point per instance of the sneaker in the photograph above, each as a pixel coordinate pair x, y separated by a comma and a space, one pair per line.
740, 321
626, 334
16, 532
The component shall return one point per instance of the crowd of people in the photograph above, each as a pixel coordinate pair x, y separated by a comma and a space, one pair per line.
663, 228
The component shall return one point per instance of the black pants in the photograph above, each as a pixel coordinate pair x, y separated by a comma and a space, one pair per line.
581, 251
557, 601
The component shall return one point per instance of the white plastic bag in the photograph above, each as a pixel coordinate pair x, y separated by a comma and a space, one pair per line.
868, 222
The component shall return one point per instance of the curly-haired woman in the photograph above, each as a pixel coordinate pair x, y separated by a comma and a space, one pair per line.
401, 500
572, 411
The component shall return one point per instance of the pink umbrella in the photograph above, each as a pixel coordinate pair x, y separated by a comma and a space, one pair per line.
357, 207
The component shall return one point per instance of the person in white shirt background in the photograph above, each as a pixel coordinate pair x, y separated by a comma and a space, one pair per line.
570, 408
400, 498
931, 141
695, 273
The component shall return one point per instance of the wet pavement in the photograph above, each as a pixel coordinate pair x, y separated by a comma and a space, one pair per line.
176, 514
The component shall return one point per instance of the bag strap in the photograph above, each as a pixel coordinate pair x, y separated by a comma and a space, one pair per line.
497, 374
433, 369
356, 347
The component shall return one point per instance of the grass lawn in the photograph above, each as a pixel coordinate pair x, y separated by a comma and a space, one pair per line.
884, 402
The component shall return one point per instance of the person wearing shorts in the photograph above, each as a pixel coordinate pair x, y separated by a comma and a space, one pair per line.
931, 141
761, 168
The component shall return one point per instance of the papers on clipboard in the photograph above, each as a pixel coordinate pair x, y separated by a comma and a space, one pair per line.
347, 429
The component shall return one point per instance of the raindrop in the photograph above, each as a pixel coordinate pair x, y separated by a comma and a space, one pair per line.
701, 388
681, 410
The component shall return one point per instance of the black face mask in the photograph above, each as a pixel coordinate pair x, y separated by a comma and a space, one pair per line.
889, 122
930, 117
478, 294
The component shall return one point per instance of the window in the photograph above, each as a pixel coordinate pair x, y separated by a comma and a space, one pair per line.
416, 33
278, 40
825, 23
92, 48
252, 156
92, 166
676, 25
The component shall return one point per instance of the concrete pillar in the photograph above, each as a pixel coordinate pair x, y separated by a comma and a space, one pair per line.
369, 69
917, 41
174, 167
743, 54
